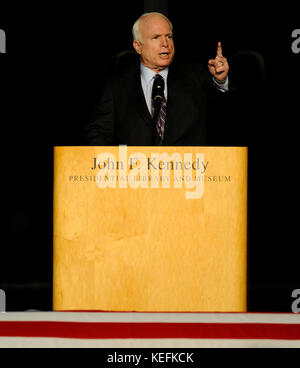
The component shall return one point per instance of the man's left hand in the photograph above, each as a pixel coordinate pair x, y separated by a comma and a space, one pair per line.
219, 66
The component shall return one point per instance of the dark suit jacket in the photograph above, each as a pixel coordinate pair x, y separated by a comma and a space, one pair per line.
122, 116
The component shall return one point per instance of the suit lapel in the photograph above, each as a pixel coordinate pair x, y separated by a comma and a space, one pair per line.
138, 96
173, 103
142, 106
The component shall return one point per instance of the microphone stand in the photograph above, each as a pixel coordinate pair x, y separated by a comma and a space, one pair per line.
157, 106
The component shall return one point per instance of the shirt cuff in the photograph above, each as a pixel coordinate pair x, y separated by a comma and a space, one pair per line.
222, 86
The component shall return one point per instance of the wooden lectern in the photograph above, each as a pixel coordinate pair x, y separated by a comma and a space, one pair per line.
150, 229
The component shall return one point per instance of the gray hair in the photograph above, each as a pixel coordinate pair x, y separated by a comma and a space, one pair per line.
136, 27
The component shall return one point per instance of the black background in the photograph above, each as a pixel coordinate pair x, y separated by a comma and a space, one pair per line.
51, 77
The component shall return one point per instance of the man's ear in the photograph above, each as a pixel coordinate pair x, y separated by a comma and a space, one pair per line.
137, 46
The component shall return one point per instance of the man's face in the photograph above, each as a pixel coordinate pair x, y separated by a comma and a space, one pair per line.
157, 49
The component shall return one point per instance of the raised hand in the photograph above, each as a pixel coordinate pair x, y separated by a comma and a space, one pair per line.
219, 66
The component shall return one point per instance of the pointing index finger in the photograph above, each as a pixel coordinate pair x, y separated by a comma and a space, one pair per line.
219, 49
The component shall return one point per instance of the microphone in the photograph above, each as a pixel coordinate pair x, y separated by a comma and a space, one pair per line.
158, 91
157, 99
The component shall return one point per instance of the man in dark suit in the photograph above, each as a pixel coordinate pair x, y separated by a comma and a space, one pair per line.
126, 113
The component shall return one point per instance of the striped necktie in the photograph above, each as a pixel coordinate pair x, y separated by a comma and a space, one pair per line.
159, 105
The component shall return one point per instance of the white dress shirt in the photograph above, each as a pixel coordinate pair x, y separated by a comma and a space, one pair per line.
147, 79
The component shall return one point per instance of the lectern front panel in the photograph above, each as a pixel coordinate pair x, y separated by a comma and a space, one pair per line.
150, 229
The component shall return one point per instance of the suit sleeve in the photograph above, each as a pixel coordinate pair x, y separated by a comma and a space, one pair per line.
206, 81
100, 130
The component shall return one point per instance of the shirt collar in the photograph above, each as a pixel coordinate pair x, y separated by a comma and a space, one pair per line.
147, 74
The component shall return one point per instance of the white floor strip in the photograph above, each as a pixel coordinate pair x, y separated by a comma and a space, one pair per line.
153, 317
15, 342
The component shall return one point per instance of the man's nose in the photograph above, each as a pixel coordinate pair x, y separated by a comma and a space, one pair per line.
164, 42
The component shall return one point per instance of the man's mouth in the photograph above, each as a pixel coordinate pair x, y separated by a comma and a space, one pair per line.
164, 53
